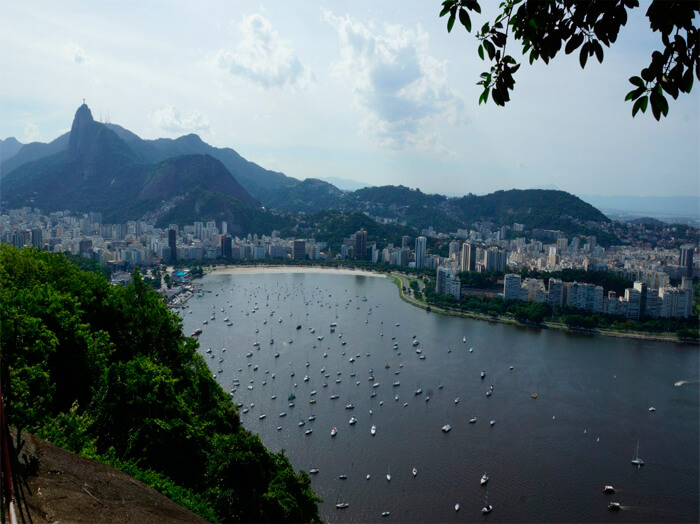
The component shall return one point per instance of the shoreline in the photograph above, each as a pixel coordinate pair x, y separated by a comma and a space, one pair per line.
258, 269
398, 280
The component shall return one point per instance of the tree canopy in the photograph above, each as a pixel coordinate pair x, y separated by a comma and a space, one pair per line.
543, 27
105, 371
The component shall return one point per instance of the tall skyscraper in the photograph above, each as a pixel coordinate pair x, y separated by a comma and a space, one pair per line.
421, 244
468, 259
686, 259
37, 238
172, 243
299, 250
361, 244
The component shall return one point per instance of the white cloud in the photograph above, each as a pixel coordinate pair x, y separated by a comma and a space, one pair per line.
170, 119
263, 57
31, 133
402, 90
76, 53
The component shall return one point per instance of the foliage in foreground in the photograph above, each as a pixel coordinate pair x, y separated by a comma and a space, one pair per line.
543, 28
106, 372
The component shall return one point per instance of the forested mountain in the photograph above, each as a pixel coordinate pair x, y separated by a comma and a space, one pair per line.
255, 179
106, 168
308, 196
201, 205
99, 171
105, 371
31, 152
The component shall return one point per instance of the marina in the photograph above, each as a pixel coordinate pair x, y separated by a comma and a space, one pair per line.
547, 459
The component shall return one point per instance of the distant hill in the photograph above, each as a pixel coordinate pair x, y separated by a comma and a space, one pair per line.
106, 168
9, 148
202, 205
308, 196
31, 152
256, 180
177, 175
98, 170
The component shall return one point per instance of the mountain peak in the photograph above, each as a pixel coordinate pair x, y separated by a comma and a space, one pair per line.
81, 132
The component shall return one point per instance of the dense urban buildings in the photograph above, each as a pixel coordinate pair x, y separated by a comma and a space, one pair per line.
482, 248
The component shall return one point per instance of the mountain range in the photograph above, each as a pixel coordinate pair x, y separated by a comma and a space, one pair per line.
106, 168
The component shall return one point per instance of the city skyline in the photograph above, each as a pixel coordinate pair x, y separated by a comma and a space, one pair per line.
366, 92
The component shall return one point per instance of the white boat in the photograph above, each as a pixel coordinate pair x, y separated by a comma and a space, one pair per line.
313, 471
334, 431
353, 420
464, 340
484, 479
652, 408
457, 506
636, 460
388, 475
373, 430
342, 505
488, 508
446, 428
472, 420
415, 472
457, 400
492, 422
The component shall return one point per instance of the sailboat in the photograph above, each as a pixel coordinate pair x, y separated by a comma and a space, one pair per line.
636, 460
340, 504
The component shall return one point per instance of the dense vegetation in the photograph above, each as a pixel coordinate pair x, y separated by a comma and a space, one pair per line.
106, 372
201, 205
333, 227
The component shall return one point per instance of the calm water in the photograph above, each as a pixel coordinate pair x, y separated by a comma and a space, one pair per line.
547, 458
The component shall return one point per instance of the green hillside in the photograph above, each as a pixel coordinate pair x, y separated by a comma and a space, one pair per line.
106, 371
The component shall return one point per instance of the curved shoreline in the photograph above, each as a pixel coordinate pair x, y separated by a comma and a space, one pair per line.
258, 269
400, 281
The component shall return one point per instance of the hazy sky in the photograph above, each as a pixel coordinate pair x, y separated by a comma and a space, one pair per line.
375, 91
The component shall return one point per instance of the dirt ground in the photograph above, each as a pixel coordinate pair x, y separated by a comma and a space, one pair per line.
61, 487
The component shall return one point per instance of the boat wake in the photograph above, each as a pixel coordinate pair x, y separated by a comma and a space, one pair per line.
687, 382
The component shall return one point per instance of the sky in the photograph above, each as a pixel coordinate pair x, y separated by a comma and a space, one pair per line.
376, 92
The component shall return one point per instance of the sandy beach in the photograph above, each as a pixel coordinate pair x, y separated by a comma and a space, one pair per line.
231, 270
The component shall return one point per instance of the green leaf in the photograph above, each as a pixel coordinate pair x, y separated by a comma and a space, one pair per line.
635, 93
636, 81
450, 23
484, 96
465, 20
473, 5
598, 49
687, 82
490, 49
574, 42
583, 55
640, 104
481, 55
